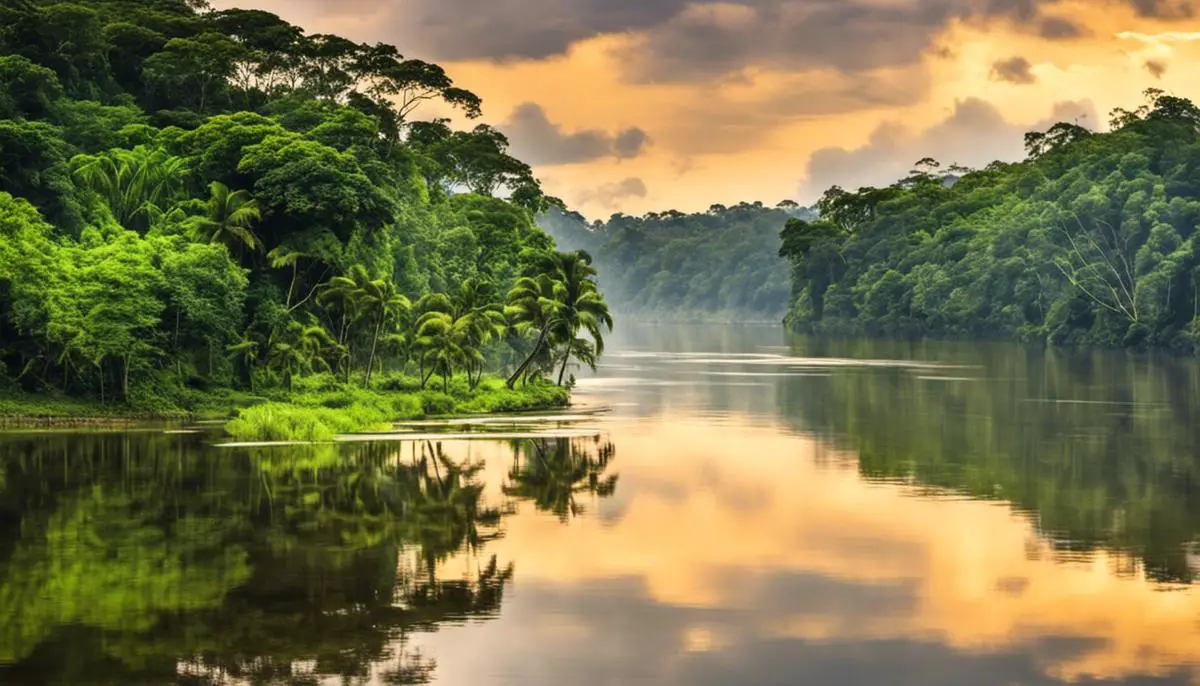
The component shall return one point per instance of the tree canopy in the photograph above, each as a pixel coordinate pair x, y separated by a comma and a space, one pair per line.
1091, 240
189, 194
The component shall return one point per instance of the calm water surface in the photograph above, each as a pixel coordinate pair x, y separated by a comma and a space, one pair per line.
743, 509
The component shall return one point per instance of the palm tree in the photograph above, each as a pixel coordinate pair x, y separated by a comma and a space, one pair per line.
360, 297
560, 299
380, 300
445, 342
484, 320
227, 219
341, 292
531, 307
136, 184
245, 350
302, 347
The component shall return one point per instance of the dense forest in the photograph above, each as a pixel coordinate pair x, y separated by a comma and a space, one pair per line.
193, 199
1090, 240
715, 265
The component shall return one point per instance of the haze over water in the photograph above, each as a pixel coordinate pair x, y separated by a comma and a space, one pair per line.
784, 511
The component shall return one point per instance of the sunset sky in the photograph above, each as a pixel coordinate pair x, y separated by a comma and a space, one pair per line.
641, 105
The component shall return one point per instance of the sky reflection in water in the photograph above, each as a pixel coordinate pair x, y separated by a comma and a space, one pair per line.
857, 514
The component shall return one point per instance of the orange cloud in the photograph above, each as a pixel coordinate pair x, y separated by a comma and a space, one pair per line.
736, 104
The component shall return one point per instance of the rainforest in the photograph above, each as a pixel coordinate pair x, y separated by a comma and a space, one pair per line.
315, 371
1091, 240
202, 210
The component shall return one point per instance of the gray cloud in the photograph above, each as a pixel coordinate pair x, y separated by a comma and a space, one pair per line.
1016, 70
1165, 9
1058, 28
722, 35
537, 140
847, 36
630, 143
1157, 68
610, 195
974, 135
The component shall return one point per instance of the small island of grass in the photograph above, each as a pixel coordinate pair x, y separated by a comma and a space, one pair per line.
321, 415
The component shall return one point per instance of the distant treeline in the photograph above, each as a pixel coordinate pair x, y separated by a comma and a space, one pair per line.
716, 265
1090, 240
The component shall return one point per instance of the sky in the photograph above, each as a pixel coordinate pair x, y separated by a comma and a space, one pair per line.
648, 105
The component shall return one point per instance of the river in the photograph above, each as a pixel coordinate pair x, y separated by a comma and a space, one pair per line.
724, 505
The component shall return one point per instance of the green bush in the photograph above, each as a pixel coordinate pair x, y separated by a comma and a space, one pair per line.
318, 417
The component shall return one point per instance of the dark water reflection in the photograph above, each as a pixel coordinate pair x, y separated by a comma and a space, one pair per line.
755, 510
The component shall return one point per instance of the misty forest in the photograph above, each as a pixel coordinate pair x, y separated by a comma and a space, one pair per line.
310, 375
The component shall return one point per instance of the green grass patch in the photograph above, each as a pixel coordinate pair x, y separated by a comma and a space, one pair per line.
180, 404
320, 415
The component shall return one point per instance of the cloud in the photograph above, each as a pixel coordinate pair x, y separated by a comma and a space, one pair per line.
1157, 68
713, 40
1016, 70
610, 195
1058, 28
729, 121
974, 135
538, 141
722, 35
630, 143
1164, 9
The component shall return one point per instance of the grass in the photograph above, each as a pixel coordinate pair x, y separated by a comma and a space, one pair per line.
318, 408
182, 404
320, 413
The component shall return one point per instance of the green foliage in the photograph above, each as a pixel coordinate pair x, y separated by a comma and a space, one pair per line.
196, 200
319, 416
719, 264
1092, 240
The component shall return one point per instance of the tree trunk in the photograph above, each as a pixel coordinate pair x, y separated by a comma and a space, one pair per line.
563, 370
125, 379
512, 380
374, 342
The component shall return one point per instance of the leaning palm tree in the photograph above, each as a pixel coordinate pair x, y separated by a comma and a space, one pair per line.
559, 299
531, 307
228, 219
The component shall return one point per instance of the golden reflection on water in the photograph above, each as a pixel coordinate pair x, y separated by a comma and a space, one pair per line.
708, 512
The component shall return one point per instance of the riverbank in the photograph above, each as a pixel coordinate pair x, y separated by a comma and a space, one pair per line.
313, 412
61, 410
316, 417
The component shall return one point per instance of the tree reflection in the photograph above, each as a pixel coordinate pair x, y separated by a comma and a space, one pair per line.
144, 558
550, 472
1100, 448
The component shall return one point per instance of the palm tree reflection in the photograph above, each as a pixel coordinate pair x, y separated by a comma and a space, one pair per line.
551, 472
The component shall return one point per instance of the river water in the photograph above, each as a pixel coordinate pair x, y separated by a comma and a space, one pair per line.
725, 505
